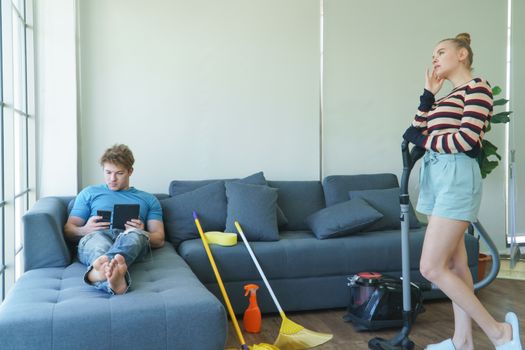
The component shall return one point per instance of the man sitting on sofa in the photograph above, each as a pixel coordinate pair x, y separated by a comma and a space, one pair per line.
108, 252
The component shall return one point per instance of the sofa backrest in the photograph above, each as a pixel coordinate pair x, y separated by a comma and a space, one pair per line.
336, 187
299, 199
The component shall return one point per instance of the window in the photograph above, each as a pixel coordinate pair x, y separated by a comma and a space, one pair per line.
514, 144
17, 134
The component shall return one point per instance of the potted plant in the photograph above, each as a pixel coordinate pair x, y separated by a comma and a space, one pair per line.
488, 158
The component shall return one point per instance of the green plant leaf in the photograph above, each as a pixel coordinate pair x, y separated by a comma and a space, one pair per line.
489, 149
487, 166
487, 145
496, 90
500, 102
501, 117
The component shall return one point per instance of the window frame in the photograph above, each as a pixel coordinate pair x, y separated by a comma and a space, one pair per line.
17, 134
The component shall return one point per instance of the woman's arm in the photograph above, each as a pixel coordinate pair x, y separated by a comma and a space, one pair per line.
432, 86
477, 112
425, 105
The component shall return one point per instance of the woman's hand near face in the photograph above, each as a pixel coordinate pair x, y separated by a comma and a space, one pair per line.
433, 83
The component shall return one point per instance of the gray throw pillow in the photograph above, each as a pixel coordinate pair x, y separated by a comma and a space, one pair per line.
254, 207
385, 201
342, 219
209, 202
259, 179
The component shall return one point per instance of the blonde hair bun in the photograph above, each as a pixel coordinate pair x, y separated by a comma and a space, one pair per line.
464, 37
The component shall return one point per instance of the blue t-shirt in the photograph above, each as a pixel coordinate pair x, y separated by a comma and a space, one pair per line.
100, 197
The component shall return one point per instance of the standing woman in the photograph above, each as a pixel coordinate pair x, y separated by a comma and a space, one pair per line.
451, 130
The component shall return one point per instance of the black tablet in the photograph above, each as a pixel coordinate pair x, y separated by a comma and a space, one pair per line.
123, 213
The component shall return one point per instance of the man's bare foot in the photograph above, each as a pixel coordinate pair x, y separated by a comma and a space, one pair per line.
98, 272
115, 274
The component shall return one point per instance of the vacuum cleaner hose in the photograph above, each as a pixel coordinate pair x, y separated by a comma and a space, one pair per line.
493, 251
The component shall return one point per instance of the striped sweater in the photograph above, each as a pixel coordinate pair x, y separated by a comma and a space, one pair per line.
457, 122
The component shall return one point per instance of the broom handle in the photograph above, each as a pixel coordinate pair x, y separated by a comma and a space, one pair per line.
221, 285
259, 268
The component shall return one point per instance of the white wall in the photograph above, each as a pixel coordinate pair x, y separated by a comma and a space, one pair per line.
56, 97
201, 89
207, 89
376, 54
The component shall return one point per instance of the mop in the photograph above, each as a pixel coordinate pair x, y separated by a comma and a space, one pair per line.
292, 336
261, 346
515, 253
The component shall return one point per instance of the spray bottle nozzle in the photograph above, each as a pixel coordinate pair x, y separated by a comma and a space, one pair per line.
250, 288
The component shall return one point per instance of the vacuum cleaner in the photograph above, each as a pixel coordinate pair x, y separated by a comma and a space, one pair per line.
379, 305
376, 301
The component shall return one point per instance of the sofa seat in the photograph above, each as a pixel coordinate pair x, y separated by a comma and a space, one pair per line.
308, 273
52, 308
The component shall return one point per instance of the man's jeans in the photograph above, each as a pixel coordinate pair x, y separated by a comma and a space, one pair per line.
132, 245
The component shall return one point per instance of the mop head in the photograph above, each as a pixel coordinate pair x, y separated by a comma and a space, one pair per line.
293, 336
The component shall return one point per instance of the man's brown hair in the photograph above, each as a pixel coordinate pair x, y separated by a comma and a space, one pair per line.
118, 155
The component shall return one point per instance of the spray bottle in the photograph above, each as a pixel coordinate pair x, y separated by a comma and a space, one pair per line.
252, 315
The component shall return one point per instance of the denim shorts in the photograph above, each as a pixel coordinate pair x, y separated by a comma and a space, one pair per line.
449, 186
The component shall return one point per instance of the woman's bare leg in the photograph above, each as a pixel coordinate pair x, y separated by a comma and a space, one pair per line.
442, 239
462, 322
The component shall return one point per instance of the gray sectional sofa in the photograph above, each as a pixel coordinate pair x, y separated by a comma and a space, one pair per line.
50, 307
170, 305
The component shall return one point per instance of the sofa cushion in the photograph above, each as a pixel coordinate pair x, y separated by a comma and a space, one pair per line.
299, 254
259, 179
254, 207
343, 219
386, 201
298, 199
208, 201
336, 187
164, 309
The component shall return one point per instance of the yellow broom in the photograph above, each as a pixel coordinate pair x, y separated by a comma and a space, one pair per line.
261, 346
292, 336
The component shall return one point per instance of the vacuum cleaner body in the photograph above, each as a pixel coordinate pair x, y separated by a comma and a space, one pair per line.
376, 301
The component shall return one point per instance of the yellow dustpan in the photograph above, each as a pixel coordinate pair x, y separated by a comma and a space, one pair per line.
261, 346
292, 336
